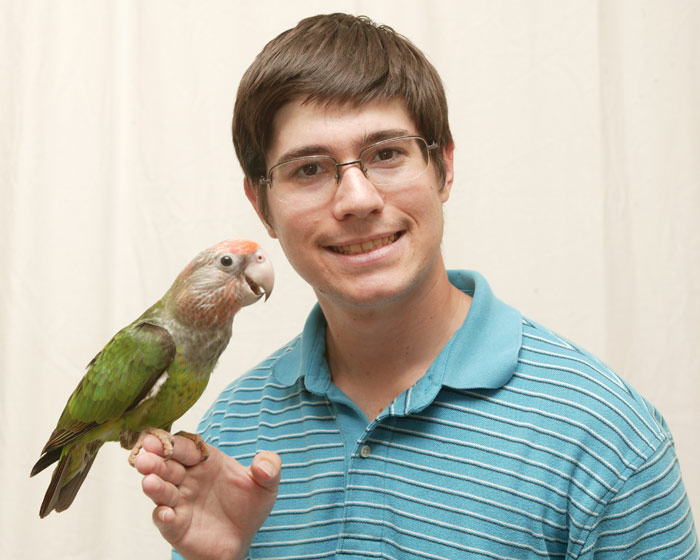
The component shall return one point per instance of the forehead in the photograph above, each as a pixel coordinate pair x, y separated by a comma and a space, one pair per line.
336, 127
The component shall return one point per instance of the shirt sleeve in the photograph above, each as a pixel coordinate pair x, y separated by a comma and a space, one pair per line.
649, 518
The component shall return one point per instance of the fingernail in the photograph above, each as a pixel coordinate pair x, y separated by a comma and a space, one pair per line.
267, 467
162, 514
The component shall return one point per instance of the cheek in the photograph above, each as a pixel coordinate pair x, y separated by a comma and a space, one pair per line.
301, 251
424, 203
294, 229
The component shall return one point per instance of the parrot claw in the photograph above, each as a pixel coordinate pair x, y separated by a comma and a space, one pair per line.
165, 437
199, 442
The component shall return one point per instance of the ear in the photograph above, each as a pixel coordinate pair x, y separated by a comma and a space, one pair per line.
448, 161
252, 196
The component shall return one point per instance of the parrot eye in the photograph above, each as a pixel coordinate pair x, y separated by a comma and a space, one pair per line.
226, 261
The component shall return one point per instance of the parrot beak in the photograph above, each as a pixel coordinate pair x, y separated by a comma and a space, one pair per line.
259, 276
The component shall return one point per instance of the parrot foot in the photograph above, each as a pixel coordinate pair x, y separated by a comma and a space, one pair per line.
199, 442
165, 437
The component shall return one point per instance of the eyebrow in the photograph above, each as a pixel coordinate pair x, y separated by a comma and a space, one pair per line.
324, 150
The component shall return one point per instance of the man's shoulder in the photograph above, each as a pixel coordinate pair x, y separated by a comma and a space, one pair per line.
625, 477
571, 387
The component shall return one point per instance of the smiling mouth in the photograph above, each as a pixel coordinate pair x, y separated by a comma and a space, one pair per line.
365, 247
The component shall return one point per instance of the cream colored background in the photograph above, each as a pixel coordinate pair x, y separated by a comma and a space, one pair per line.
577, 126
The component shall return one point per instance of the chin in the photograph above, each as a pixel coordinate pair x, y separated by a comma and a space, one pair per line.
368, 298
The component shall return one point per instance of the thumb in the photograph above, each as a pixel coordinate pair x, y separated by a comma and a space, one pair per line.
265, 469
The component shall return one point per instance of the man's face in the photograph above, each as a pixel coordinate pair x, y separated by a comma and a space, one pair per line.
364, 247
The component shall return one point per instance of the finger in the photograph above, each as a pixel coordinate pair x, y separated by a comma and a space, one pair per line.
266, 468
163, 515
165, 519
162, 493
153, 444
185, 451
169, 470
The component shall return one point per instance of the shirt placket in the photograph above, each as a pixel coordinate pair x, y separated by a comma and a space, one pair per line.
364, 507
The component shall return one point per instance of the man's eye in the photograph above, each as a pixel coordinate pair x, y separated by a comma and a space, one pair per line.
309, 169
385, 154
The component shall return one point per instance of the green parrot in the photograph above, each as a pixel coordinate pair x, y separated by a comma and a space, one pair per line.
155, 369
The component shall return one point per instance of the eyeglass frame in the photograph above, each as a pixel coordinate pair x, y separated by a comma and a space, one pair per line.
267, 181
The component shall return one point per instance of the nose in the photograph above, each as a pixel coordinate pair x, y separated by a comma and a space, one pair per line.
355, 195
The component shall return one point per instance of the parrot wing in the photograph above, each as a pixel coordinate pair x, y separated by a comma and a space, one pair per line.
118, 378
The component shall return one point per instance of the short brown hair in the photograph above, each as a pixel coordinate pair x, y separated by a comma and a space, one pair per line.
335, 58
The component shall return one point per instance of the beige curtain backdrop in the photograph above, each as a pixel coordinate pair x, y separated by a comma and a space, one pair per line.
577, 194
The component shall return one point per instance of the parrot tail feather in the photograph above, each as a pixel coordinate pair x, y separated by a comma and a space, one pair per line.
66, 480
69, 491
45, 460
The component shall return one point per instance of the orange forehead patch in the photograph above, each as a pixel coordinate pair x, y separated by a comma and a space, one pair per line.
236, 246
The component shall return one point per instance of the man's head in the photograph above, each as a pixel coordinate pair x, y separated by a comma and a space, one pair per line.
334, 59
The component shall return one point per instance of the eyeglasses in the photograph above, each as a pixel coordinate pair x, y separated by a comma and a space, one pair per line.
387, 165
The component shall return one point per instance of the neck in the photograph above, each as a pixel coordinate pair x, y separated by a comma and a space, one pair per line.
376, 354
206, 309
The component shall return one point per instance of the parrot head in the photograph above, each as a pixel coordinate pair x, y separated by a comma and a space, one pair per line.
219, 281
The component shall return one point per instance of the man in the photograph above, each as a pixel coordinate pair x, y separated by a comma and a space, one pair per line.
416, 416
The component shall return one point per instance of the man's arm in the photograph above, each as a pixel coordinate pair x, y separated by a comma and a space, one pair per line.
210, 509
649, 517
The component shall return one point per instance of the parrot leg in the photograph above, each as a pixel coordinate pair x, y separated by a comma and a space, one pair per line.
165, 437
199, 442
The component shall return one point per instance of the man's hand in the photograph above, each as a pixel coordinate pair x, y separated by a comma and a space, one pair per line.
210, 509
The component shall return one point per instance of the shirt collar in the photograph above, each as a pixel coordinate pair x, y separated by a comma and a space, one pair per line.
482, 354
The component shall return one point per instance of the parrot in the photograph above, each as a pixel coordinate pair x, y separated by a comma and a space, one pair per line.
154, 369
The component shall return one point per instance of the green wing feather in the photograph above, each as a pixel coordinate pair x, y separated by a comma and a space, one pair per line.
117, 379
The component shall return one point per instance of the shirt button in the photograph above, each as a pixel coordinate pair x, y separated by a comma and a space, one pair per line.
365, 451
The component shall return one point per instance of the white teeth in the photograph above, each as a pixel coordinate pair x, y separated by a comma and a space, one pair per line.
366, 247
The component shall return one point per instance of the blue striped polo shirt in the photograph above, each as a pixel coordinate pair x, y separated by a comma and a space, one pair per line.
514, 444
